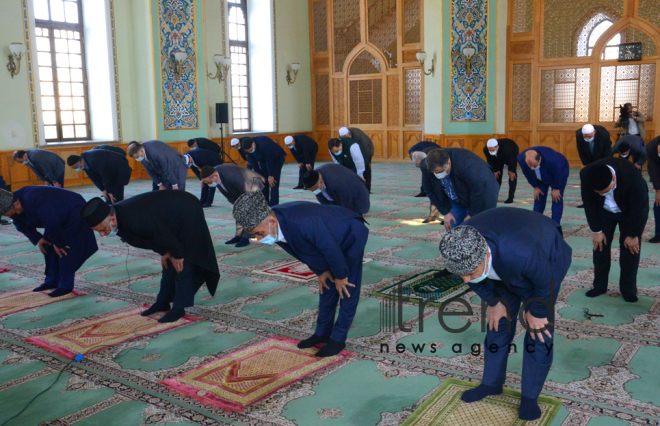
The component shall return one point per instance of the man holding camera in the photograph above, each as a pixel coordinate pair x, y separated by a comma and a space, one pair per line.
631, 122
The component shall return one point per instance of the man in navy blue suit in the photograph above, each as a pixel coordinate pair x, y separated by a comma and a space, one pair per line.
267, 159
304, 150
425, 147
108, 170
510, 256
330, 240
196, 159
204, 143
546, 168
336, 185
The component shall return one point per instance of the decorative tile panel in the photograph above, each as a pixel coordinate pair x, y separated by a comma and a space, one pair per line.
320, 26
650, 10
338, 101
177, 33
413, 96
521, 102
412, 21
392, 100
469, 89
322, 100
523, 16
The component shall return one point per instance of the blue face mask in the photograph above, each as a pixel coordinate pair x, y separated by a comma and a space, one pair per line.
195, 147
608, 192
268, 239
113, 233
589, 140
482, 277
79, 169
338, 153
213, 184
317, 191
139, 159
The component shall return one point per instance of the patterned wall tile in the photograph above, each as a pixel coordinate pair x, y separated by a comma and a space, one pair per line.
523, 16
392, 100
346, 26
381, 27
521, 104
413, 96
323, 100
469, 30
177, 33
320, 26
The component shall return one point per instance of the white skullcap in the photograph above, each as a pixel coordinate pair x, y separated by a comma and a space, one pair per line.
587, 129
288, 140
492, 143
343, 131
235, 142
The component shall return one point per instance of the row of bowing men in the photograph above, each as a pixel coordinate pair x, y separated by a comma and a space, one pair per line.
505, 253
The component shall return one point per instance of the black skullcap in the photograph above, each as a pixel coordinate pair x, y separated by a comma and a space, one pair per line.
73, 159
94, 212
206, 171
310, 178
191, 142
599, 177
624, 147
627, 104
246, 143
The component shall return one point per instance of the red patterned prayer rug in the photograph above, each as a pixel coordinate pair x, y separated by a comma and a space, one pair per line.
296, 271
240, 379
20, 300
92, 336
3, 270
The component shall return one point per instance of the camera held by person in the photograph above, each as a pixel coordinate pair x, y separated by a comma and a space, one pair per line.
630, 122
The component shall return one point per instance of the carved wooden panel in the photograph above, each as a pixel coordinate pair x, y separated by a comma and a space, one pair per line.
322, 100
321, 139
410, 56
410, 139
521, 104
570, 147
381, 27
365, 63
413, 96
346, 25
522, 139
455, 142
478, 144
366, 101
338, 101
320, 26
377, 139
392, 100
412, 21
551, 140
393, 144
321, 63
522, 47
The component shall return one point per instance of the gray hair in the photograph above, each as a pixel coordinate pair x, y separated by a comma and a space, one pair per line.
418, 156
437, 158
133, 148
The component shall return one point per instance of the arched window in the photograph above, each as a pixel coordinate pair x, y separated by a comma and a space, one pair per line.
595, 35
591, 32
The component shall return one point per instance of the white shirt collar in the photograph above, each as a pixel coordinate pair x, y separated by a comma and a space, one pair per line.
491, 272
280, 235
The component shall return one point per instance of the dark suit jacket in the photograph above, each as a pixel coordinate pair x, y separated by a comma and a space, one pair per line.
305, 149
654, 162
57, 211
112, 148
421, 146
602, 145
106, 169
164, 163
637, 148
236, 181
631, 195
345, 188
268, 156
554, 168
207, 144
529, 255
323, 237
202, 157
365, 143
473, 181
47, 165
507, 154
174, 222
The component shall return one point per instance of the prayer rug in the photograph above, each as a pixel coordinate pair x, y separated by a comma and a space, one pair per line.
20, 300
435, 284
3, 270
240, 379
295, 271
95, 335
445, 408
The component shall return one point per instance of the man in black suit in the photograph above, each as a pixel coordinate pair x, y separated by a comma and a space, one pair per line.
203, 143
653, 154
236, 144
500, 153
108, 170
633, 147
233, 181
614, 192
458, 183
336, 185
196, 159
304, 150
593, 143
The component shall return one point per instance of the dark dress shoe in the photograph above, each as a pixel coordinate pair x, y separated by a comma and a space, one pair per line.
421, 195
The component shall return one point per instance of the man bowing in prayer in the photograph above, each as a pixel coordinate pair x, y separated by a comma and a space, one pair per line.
366, 147
267, 159
66, 241
336, 185
304, 150
615, 193
546, 168
172, 224
510, 256
233, 181
48, 166
204, 143
165, 165
500, 153
236, 144
631, 146
330, 240
196, 160
108, 170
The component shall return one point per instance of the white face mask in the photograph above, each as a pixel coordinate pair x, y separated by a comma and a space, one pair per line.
441, 175
484, 275
213, 184
493, 153
608, 192
317, 191
589, 140
625, 156
139, 159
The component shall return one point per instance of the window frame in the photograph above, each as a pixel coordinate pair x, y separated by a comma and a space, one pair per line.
241, 4
51, 26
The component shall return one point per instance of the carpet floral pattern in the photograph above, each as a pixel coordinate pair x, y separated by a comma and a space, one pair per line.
604, 372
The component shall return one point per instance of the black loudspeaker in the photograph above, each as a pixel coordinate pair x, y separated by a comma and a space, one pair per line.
221, 113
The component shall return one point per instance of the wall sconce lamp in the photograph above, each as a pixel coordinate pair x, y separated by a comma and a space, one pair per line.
468, 54
295, 67
421, 57
179, 57
14, 65
222, 65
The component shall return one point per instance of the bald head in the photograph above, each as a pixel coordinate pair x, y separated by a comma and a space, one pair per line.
532, 159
